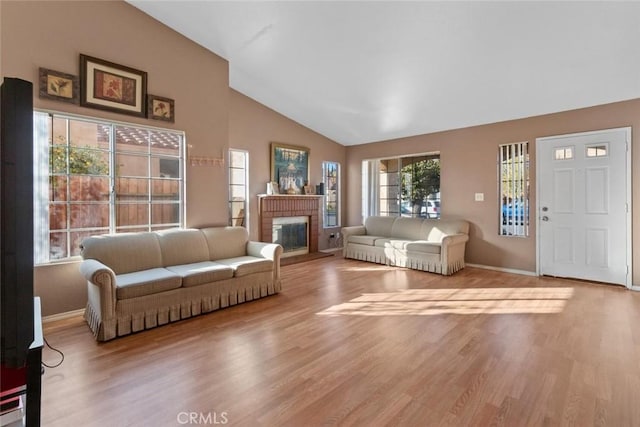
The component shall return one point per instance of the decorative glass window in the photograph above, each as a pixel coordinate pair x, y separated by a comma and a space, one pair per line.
97, 177
564, 153
513, 170
331, 179
600, 150
238, 187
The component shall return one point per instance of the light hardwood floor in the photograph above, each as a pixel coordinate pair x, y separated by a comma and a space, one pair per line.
354, 343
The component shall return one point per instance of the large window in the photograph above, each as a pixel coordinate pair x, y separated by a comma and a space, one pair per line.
402, 186
98, 177
331, 179
238, 186
513, 168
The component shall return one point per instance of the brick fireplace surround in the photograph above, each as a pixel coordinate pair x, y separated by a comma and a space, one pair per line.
279, 206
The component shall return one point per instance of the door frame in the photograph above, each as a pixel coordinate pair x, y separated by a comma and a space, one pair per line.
627, 131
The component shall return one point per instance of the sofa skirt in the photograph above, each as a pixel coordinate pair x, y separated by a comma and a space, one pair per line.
432, 263
149, 311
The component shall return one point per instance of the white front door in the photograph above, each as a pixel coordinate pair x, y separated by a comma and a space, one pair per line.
583, 203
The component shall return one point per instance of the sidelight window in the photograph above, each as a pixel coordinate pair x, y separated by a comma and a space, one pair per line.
238, 187
513, 171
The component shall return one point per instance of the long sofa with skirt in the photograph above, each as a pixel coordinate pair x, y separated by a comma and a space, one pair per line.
138, 281
434, 245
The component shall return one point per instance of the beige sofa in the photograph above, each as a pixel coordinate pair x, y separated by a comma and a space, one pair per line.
435, 245
138, 281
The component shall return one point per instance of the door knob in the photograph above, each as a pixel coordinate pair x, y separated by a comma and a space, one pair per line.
545, 218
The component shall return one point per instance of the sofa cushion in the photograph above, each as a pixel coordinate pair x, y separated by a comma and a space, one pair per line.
226, 242
379, 225
124, 252
407, 229
423, 246
200, 273
246, 265
393, 243
146, 282
182, 246
364, 239
434, 230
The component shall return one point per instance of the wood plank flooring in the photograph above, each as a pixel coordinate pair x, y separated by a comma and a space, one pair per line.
358, 344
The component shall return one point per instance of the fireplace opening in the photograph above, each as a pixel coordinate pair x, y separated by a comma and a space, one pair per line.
292, 233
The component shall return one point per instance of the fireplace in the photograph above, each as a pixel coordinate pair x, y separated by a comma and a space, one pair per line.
292, 233
274, 210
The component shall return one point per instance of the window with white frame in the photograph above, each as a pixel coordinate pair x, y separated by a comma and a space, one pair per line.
238, 187
331, 179
97, 177
407, 186
513, 170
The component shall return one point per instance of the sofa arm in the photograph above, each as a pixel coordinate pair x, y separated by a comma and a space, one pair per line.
354, 230
272, 251
104, 279
452, 252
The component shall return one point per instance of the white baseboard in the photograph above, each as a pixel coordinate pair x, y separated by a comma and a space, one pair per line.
62, 316
504, 270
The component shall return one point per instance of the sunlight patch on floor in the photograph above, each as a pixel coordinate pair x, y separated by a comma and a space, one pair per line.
427, 302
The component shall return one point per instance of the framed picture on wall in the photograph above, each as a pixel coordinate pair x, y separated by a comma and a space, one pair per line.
289, 167
112, 87
159, 108
59, 86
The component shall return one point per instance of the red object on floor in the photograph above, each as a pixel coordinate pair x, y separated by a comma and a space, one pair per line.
12, 382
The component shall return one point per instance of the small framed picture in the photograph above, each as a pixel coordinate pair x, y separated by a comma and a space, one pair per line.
112, 87
59, 86
159, 108
272, 188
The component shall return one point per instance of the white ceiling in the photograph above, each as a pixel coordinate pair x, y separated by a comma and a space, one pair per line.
361, 72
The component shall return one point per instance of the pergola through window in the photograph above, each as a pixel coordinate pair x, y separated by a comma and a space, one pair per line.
97, 177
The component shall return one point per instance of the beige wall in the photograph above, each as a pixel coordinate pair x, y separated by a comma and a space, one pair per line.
216, 118
468, 162
213, 117
253, 127
177, 68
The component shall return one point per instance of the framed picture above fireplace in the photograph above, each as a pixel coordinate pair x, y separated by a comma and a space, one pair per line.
289, 167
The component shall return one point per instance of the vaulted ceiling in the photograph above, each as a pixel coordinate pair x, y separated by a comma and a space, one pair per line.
361, 72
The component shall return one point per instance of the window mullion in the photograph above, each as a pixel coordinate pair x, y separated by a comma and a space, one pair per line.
112, 178
68, 189
149, 182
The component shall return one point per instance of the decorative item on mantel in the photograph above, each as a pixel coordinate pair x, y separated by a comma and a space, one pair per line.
272, 188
